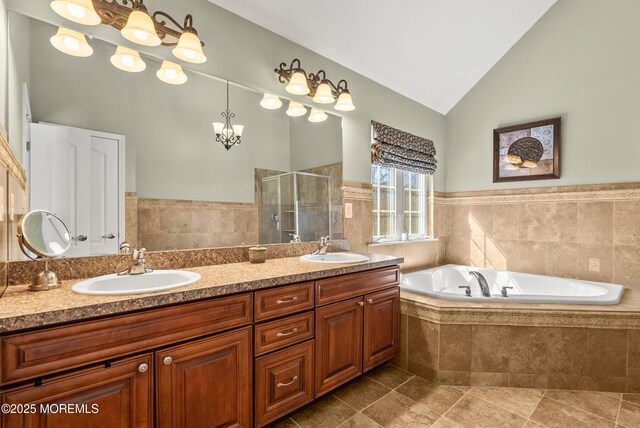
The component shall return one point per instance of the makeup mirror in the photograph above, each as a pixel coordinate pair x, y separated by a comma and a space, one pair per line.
43, 235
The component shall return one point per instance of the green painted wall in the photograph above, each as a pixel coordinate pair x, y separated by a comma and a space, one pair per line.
244, 52
581, 61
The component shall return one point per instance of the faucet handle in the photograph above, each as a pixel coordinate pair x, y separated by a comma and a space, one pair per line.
467, 290
139, 253
503, 291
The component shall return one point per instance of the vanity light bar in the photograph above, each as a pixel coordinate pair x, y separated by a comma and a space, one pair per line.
137, 25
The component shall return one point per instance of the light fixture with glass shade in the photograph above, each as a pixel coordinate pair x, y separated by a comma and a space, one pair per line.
127, 60
78, 11
189, 47
317, 116
137, 25
345, 102
171, 73
316, 85
323, 94
296, 109
140, 28
71, 42
227, 134
270, 102
298, 84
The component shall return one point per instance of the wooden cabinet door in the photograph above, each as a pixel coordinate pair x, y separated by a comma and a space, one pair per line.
118, 396
284, 382
381, 327
338, 344
206, 383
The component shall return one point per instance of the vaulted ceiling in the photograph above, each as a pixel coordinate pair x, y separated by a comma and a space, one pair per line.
432, 51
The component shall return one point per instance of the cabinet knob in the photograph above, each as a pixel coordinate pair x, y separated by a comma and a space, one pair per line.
167, 361
361, 303
370, 301
143, 367
110, 236
81, 238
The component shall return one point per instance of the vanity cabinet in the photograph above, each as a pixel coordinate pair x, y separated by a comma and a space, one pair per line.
236, 361
119, 395
359, 333
206, 382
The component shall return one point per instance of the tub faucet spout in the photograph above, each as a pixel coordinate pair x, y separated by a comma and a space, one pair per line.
484, 287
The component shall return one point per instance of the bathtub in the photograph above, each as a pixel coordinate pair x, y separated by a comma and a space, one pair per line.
444, 282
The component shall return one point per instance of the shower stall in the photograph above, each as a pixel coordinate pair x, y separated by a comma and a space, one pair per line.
295, 203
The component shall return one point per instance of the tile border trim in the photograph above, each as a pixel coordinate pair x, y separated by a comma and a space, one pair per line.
624, 320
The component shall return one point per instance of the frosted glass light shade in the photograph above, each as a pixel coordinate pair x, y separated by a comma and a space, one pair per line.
323, 94
345, 102
218, 127
140, 29
189, 49
296, 109
171, 73
71, 42
298, 84
270, 102
79, 11
237, 130
127, 60
317, 116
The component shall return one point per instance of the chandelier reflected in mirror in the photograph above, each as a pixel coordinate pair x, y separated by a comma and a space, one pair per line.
227, 134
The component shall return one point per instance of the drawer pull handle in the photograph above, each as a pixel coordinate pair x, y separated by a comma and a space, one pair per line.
167, 361
280, 385
370, 301
289, 333
143, 367
293, 299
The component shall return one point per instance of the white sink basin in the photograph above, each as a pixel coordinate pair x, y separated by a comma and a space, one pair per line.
335, 258
158, 280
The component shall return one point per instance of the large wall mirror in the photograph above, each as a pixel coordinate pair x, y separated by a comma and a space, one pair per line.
126, 157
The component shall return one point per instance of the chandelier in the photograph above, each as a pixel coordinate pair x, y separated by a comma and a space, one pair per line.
136, 25
226, 134
316, 85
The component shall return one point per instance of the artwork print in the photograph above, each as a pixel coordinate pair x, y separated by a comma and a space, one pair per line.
530, 151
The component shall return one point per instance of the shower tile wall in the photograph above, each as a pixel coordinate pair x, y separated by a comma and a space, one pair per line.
335, 172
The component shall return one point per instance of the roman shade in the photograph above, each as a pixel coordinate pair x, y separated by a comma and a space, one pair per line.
399, 149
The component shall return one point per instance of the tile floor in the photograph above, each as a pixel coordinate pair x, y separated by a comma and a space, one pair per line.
391, 397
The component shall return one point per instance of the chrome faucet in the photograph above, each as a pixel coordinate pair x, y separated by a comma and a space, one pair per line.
294, 238
323, 244
484, 287
138, 265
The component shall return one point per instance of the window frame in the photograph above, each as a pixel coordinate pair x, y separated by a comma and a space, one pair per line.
400, 210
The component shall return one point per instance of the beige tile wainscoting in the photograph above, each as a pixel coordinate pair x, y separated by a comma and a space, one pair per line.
522, 345
391, 397
586, 232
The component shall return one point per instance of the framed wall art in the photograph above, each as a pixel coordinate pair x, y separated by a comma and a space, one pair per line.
530, 151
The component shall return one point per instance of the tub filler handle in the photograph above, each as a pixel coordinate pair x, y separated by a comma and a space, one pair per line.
467, 290
504, 291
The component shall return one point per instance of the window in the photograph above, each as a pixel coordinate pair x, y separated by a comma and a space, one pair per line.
399, 204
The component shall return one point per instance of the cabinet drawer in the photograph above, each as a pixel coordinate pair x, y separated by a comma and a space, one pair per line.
283, 301
284, 382
343, 287
278, 334
35, 354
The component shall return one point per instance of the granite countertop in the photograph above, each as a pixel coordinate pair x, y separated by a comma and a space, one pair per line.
22, 309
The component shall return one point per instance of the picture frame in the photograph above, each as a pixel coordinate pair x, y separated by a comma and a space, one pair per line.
529, 151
